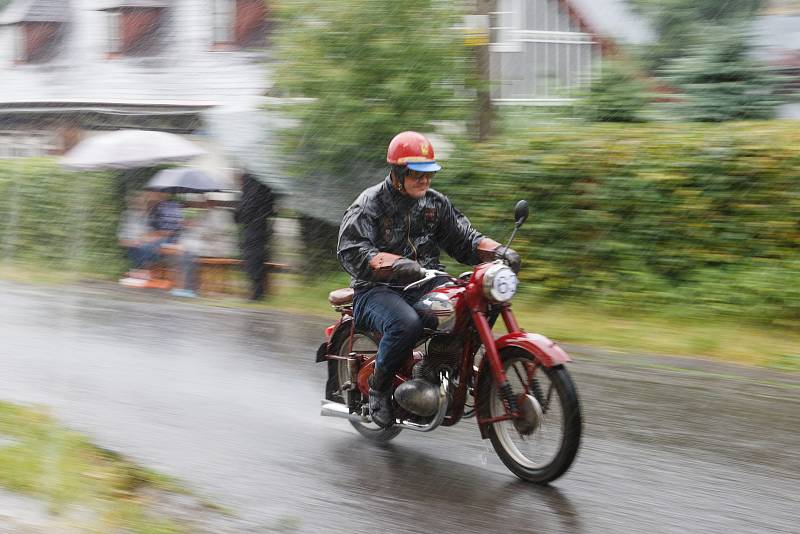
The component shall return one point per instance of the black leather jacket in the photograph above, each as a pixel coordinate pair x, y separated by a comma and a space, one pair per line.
383, 220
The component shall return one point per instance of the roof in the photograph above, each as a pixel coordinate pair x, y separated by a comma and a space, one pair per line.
48, 11
14, 12
36, 11
615, 20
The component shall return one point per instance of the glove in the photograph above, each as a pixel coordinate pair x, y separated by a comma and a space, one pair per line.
510, 256
406, 271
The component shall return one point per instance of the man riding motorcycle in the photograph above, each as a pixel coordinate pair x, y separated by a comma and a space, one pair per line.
390, 233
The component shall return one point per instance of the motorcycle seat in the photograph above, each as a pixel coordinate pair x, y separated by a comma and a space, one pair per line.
341, 297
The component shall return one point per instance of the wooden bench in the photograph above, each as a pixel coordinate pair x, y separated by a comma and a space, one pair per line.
214, 275
219, 275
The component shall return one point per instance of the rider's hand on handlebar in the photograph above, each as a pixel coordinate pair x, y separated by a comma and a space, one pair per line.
510, 256
406, 271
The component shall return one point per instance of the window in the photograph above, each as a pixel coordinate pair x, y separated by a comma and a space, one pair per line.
540, 52
224, 21
134, 30
239, 23
114, 37
37, 41
20, 54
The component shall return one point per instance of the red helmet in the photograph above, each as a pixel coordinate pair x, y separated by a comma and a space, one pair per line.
413, 150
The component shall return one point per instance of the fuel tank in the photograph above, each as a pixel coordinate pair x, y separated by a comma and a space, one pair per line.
440, 308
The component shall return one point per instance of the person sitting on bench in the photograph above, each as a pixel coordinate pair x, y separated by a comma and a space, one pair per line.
144, 241
212, 233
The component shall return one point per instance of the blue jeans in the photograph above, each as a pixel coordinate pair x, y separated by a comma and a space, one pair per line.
146, 253
389, 311
189, 270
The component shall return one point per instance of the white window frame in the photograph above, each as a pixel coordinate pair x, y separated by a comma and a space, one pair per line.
224, 21
20, 43
25, 144
114, 31
504, 25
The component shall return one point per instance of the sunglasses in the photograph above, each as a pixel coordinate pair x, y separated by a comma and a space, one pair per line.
419, 177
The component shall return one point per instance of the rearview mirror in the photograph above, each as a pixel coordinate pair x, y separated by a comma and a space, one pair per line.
521, 212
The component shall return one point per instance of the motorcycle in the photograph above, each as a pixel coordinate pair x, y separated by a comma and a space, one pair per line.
516, 386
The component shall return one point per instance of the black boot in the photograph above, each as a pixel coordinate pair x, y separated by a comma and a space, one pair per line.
380, 398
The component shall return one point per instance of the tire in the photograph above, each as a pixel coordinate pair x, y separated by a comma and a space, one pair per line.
362, 342
522, 457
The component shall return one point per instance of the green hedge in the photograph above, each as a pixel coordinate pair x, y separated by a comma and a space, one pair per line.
58, 219
702, 219
695, 219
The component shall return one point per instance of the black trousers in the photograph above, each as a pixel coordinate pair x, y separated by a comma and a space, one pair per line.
254, 254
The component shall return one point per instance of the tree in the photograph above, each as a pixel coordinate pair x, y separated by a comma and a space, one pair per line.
680, 24
720, 80
369, 69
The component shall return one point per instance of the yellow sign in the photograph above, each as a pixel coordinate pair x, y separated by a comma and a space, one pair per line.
476, 37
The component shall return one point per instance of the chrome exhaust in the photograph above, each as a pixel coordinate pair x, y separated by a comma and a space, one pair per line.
336, 409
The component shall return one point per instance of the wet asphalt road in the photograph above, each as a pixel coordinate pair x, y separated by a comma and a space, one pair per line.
228, 401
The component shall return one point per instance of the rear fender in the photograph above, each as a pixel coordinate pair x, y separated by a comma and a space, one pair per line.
546, 351
333, 335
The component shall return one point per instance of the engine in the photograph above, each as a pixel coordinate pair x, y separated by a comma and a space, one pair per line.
443, 352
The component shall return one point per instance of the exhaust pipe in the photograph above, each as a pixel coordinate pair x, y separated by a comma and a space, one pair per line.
336, 409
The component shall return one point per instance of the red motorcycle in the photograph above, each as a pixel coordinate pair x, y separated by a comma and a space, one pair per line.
516, 384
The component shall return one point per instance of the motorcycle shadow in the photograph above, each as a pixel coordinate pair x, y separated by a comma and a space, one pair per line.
396, 478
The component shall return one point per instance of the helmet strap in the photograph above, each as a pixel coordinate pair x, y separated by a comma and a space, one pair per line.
399, 173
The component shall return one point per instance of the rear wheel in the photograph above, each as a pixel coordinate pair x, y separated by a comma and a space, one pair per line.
363, 344
543, 447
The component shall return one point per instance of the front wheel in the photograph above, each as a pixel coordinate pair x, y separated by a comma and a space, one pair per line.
541, 448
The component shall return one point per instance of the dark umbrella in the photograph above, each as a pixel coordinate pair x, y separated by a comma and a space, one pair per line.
182, 180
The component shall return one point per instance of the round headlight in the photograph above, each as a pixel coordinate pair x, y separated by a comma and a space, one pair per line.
499, 283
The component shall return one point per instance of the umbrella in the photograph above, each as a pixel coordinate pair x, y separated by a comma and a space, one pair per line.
182, 180
129, 149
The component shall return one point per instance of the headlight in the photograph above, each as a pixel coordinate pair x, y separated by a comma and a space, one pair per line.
499, 283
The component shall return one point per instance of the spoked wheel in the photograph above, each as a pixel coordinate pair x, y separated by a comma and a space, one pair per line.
541, 445
364, 344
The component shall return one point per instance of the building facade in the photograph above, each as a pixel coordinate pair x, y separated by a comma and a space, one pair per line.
68, 67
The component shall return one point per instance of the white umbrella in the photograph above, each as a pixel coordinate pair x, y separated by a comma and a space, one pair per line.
129, 149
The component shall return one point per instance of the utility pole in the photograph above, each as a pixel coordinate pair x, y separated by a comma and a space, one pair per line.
484, 100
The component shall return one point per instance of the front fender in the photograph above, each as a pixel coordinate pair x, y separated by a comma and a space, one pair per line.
546, 351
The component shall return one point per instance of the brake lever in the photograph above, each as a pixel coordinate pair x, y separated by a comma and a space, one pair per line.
429, 275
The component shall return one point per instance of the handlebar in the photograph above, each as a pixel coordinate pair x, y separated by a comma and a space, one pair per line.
429, 275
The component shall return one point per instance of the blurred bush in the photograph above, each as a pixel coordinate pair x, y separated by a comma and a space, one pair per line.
698, 219
58, 219
617, 94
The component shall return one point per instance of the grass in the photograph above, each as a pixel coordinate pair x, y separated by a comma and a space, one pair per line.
34, 274
587, 324
68, 473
